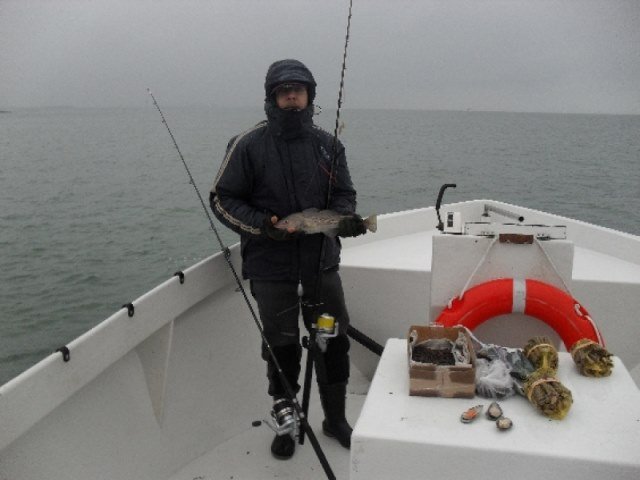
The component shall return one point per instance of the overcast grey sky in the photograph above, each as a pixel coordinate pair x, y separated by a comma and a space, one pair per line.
517, 55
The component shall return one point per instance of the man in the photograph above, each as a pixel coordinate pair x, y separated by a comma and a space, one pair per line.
282, 166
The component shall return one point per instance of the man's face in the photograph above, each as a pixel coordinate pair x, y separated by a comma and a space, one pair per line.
292, 96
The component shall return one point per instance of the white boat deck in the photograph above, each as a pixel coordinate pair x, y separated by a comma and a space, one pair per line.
394, 415
589, 265
410, 252
247, 456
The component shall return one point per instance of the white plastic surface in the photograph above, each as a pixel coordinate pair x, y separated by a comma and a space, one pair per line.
399, 436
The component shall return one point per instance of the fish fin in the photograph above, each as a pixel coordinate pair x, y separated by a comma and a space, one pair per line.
371, 222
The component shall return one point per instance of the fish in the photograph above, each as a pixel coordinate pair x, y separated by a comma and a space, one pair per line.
312, 221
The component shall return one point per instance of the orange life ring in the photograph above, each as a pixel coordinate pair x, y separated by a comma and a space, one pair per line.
556, 308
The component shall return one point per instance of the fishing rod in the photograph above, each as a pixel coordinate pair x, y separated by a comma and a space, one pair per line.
334, 159
227, 255
311, 343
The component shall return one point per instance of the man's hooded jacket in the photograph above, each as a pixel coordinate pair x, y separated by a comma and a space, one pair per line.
282, 166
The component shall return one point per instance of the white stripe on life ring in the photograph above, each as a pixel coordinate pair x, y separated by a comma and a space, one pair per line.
519, 295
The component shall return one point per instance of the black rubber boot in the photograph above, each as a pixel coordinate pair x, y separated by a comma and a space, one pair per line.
333, 399
283, 447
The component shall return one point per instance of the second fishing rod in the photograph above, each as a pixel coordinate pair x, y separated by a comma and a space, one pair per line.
318, 331
301, 415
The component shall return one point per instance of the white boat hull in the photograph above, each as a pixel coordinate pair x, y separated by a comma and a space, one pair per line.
146, 396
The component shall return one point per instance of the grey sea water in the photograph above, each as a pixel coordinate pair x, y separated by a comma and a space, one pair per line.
96, 208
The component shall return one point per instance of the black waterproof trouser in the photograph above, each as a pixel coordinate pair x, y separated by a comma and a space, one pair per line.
279, 307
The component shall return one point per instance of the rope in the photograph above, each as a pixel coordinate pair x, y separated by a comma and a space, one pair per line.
539, 382
568, 290
576, 348
475, 270
553, 266
538, 345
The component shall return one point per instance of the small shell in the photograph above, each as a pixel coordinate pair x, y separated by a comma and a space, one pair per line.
471, 414
504, 423
494, 411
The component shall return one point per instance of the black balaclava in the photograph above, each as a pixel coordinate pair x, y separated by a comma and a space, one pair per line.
288, 123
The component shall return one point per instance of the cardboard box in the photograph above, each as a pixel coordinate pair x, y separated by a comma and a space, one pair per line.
434, 380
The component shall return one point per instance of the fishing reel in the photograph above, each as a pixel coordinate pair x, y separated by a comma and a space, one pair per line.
284, 418
325, 327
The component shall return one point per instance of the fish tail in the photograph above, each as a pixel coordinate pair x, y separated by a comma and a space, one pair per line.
371, 222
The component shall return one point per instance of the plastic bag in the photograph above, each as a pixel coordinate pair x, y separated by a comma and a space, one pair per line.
493, 379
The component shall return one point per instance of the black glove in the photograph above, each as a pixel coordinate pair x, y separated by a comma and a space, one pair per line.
275, 233
351, 226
